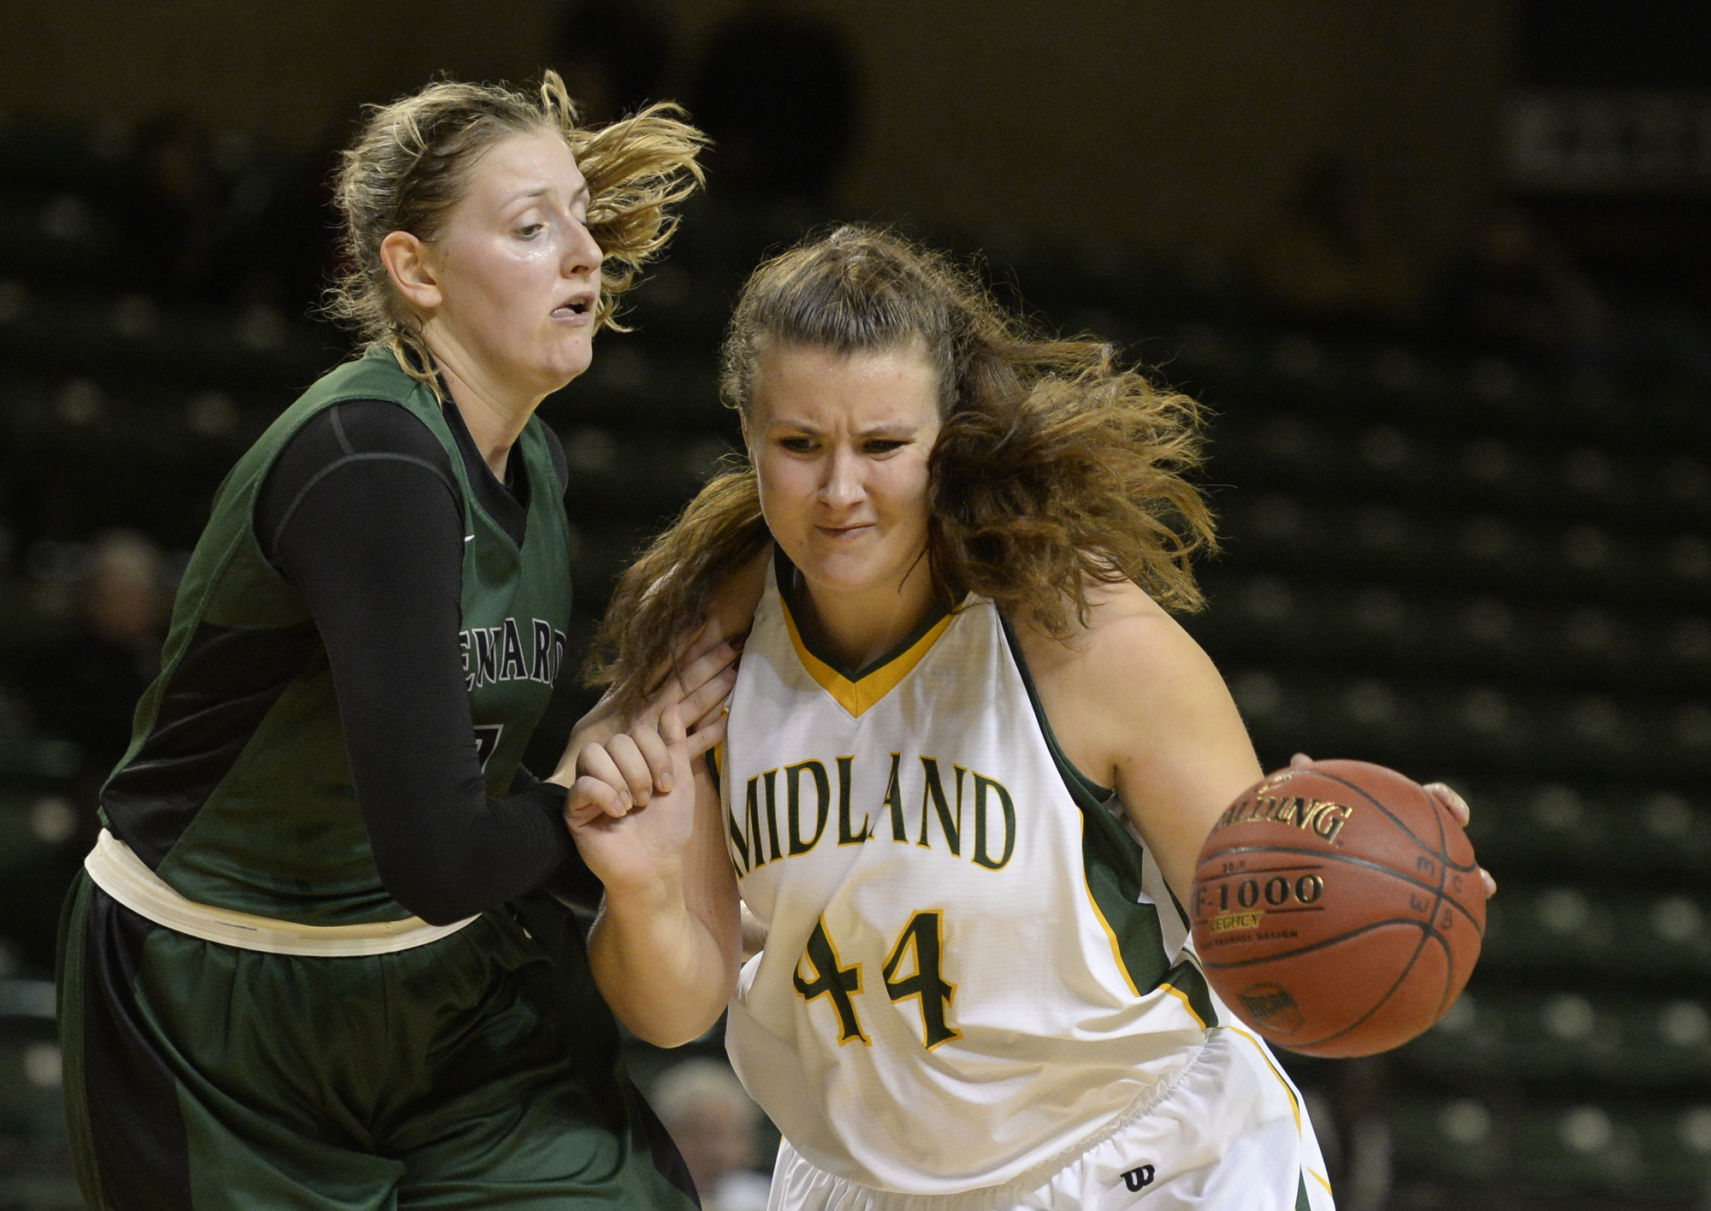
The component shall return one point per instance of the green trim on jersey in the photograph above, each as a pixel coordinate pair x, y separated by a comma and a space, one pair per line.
1114, 870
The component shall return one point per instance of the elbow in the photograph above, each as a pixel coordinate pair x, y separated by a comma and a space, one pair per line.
665, 1038
438, 914
437, 909
433, 899
668, 1017
676, 1029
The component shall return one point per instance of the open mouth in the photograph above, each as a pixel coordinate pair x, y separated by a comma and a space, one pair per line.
580, 306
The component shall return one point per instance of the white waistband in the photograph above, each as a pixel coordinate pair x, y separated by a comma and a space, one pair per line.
124, 876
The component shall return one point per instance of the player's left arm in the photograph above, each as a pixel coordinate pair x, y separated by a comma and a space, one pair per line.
1136, 703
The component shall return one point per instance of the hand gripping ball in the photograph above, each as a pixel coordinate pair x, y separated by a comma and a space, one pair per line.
1337, 908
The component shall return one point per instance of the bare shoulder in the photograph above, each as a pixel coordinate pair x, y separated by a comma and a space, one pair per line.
1129, 647
1138, 705
733, 601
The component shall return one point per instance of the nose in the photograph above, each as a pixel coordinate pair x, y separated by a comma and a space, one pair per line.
582, 256
840, 483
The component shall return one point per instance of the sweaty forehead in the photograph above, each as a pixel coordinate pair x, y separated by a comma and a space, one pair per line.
801, 381
527, 163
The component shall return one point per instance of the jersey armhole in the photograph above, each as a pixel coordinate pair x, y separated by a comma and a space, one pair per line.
1087, 792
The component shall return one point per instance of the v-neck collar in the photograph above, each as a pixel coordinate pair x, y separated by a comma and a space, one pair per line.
506, 504
857, 689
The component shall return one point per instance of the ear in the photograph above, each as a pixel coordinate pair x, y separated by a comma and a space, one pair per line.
410, 264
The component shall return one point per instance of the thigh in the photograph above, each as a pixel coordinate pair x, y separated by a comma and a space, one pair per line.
153, 1124
529, 1106
546, 1151
1226, 1133
1231, 1132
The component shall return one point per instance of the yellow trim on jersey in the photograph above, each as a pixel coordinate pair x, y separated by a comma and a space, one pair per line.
1117, 953
857, 696
1294, 1102
1186, 1002
1110, 934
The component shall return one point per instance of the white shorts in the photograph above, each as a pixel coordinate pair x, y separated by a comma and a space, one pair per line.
1228, 1132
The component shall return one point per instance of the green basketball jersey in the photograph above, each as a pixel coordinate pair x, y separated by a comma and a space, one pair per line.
236, 787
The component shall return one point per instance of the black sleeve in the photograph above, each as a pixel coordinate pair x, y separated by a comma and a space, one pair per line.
361, 513
573, 883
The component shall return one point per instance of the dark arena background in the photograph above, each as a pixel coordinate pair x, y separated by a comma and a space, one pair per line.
1442, 270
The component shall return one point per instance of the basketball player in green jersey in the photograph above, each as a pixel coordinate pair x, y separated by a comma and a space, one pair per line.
314, 961
970, 758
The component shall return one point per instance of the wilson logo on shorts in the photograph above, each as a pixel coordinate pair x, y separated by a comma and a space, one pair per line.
1136, 1180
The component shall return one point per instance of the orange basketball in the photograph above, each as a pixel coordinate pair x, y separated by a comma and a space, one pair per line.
1337, 908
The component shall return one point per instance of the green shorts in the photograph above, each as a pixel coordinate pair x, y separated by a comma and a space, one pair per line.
480, 1070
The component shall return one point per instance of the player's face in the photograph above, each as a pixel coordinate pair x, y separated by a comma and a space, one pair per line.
840, 444
518, 271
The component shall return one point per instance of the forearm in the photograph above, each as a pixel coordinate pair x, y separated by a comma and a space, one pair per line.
665, 974
665, 951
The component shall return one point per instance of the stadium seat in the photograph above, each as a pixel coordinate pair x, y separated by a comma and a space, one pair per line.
35, 1153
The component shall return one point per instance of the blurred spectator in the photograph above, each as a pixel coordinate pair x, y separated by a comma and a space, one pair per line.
1354, 1123
717, 1128
1331, 262
1513, 290
85, 687
80, 684
612, 55
776, 88
177, 211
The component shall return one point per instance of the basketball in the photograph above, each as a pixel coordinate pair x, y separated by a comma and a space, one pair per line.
1337, 908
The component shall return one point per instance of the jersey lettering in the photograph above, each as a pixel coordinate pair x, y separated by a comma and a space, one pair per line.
487, 740
933, 819
822, 803
513, 667
746, 830
933, 791
924, 935
493, 654
849, 833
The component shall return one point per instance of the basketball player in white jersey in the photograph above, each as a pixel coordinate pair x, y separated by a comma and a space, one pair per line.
970, 758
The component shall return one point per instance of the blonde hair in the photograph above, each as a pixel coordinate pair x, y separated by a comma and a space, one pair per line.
411, 163
1054, 467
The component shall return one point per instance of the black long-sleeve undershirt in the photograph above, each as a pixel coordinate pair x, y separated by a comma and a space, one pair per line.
362, 514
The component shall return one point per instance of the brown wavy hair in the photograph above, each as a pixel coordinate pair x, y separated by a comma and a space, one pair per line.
410, 165
1055, 467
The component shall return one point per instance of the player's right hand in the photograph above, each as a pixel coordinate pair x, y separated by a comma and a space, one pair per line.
611, 763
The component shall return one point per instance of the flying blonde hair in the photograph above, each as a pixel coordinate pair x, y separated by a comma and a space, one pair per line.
411, 163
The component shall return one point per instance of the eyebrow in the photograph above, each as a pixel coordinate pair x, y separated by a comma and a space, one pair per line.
883, 428
540, 191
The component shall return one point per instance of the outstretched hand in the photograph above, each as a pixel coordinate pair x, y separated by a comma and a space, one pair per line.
1444, 794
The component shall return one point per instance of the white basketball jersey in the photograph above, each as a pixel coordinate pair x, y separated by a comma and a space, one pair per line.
971, 965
